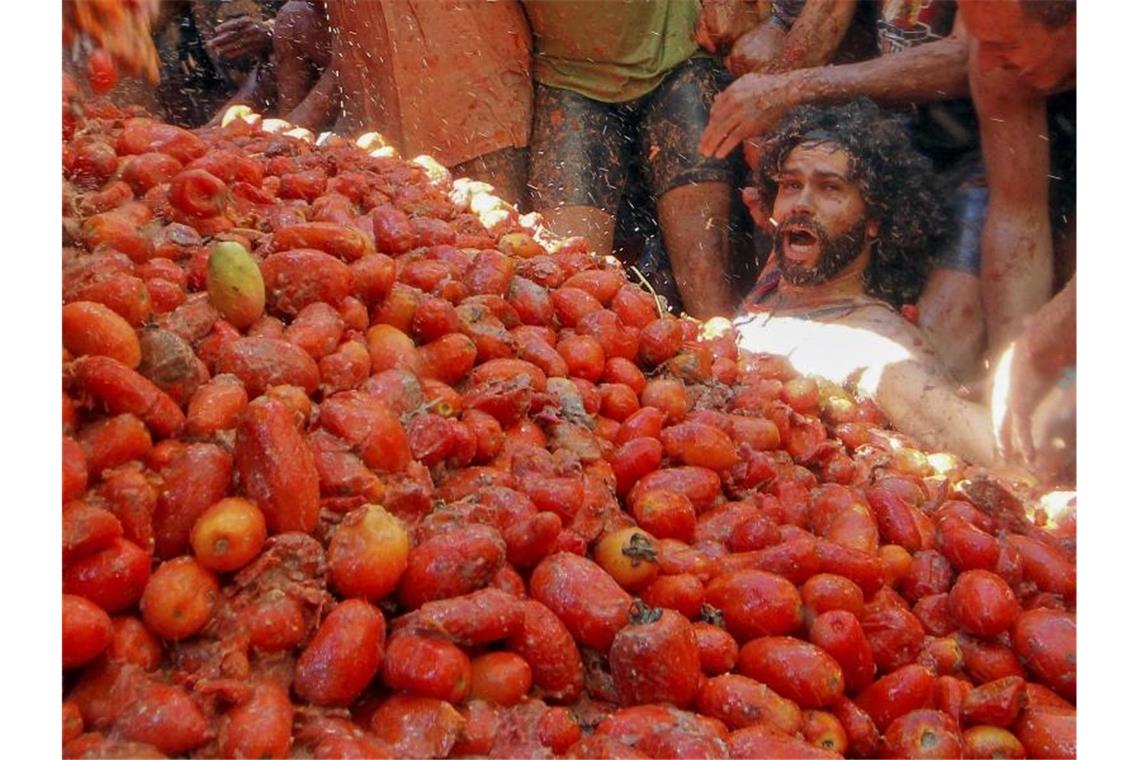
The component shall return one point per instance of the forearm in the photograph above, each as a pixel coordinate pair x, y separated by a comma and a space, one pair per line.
1017, 271
939, 420
816, 34
934, 71
317, 105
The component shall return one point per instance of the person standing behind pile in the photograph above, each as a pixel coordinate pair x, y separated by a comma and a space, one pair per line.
1023, 64
621, 85
449, 79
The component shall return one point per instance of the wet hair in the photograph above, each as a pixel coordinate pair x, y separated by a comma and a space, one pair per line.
896, 183
1052, 14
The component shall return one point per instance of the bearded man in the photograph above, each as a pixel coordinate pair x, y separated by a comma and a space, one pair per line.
855, 218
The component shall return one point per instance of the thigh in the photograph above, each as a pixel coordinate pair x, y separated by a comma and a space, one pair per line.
672, 120
578, 155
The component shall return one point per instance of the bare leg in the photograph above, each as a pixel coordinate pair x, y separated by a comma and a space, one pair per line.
950, 311
591, 223
694, 226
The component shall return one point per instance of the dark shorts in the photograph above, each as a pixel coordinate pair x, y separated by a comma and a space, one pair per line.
962, 250
581, 149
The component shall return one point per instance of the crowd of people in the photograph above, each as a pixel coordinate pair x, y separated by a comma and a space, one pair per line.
891, 182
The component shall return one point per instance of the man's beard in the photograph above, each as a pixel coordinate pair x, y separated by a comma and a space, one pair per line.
834, 253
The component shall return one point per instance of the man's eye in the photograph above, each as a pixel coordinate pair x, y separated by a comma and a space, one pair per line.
790, 184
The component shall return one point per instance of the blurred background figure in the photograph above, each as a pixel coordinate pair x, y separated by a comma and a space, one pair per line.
448, 79
624, 90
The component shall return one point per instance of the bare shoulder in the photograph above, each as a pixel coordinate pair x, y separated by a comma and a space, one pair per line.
891, 326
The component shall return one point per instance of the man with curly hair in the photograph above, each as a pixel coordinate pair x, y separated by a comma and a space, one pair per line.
855, 217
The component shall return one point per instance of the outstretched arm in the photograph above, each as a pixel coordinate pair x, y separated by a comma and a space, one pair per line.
812, 39
755, 103
314, 110
1017, 244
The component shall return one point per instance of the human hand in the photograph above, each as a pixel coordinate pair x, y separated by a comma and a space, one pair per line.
757, 50
721, 22
1018, 388
751, 106
240, 36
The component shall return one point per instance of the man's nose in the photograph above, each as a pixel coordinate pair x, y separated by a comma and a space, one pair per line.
802, 201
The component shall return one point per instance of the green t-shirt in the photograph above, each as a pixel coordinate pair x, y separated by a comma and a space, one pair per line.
610, 50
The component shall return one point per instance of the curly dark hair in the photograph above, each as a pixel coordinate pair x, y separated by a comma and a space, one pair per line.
897, 184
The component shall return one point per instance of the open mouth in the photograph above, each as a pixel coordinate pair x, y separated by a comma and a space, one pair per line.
800, 242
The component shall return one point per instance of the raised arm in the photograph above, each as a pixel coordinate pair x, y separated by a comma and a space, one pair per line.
1017, 243
811, 39
314, 110
755, 103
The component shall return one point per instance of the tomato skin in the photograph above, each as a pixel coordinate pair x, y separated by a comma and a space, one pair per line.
276, 467
991, 741
473, 620
982, 603
87, 529
133, 642
796, 669
682, 592
934, 614
503, 678
142, 135
179, 598
756, 603
367, 553
718, 650
895, 694
585, 598
1046, 566
629, 555
87, 631
665, 731
343, 656
228, 535
997, 703
426, 667
895, 636
216, 405
549, 648
988, 659
863, 737
824, 730
451, 564
101, 72
655, 658
740, 702
196, 477
761, 741
260, 726
828, 591
92, 328
123, 390
838, 633
1046, 641
197, 193
966, 546
113, 578
1046, 732
921, 734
